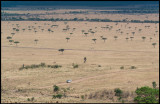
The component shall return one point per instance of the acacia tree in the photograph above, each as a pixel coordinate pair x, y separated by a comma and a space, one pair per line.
86, 34
83, 31
133, 33
104, 39
16, 42
23, 30
115, 37
67, 39
11, 41
42, 30
143, 38
12, 34
154, 44
8, 37
94, 40
36, 40
127, 39
61, 50
150, 39
131, 38
35, 32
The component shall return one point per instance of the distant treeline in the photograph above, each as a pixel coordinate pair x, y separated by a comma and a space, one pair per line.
76, 19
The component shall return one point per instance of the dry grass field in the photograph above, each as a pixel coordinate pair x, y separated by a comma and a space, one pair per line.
100, 72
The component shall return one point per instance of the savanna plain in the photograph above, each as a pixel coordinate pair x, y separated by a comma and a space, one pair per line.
119, 55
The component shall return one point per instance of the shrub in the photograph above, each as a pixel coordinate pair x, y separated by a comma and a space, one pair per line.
122, 67
57, 96
118, 92
42, 64
32, 98
147, 95
55, 88
28, 99
75, 65
82, 96
154, 84
133, 67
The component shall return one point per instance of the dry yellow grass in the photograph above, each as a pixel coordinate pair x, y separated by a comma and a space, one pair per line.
88, 78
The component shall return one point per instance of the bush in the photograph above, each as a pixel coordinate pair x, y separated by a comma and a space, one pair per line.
75, 65
118, 92
154, 84
39, 65
122, 67
82, 96
55, 88
147, 95
57, 96
133, 67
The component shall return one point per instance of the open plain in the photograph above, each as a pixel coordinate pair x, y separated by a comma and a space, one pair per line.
126, 62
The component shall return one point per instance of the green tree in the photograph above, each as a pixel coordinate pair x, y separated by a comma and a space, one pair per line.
118, 92
94, 40
11, 41
12, 34
127, 39
147, 95
8, 37
86, 34
150, 39
23, 30
55, 88
154, 44
154, 84
115, 37
133, 33
131, 38
61, 50
67, 39
104, 39
143, 38
16, 42
36, 40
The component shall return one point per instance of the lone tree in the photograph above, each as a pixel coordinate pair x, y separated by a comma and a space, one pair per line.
61, 50
67, 39
131, 38
55, 88
11, 41
104, 39
94, 40
86, 34
150, 39
35, 32
143, 38
12, 34
36, 40
16, 42
154, 84
154, 44
83, 31
127, 39
23, 30
42, 30
133, 33
115, 37
8, 37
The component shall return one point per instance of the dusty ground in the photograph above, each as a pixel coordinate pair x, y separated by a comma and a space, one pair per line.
88, 78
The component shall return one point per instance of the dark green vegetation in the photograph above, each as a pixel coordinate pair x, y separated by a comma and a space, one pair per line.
42, 65
147, 95
76, 19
